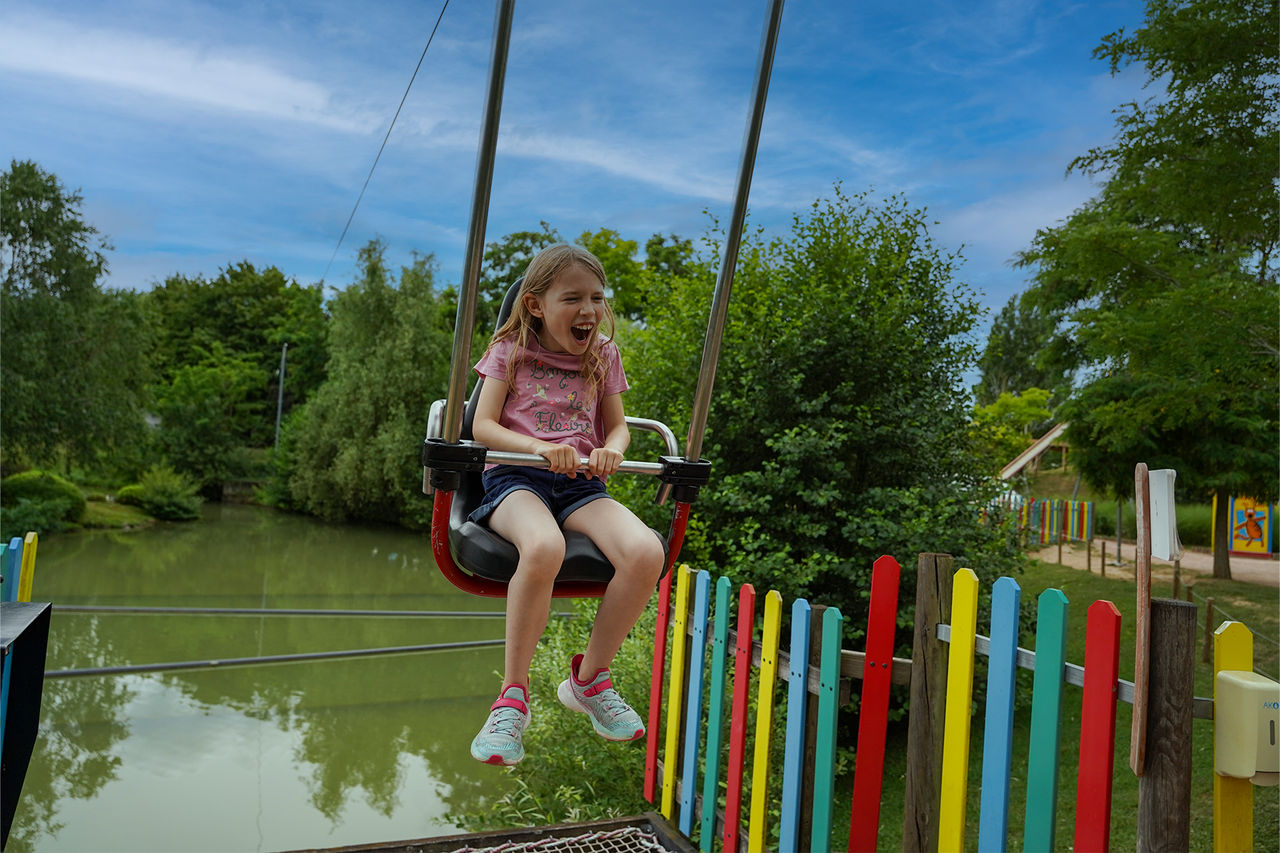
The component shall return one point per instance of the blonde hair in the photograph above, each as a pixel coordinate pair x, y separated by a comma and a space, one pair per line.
541, 273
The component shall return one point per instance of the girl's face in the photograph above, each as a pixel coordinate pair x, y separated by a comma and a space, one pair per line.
571, 310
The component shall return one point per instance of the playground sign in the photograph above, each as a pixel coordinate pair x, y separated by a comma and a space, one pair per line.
1251, 526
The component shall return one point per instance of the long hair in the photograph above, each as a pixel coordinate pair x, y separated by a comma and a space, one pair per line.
541, 273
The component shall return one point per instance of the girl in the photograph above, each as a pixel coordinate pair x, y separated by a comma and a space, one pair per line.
553, 387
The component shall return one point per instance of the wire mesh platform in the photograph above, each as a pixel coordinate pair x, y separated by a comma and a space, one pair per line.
647, 833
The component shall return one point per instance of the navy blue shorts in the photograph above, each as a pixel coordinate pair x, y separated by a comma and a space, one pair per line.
561, 493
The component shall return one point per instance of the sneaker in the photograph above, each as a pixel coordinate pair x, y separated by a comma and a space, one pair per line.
611, 717
499, 742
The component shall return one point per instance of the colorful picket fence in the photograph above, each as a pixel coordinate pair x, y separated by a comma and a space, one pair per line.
17, 570
1059, 519
696, 765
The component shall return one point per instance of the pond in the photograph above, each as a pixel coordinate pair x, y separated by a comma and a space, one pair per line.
279, 756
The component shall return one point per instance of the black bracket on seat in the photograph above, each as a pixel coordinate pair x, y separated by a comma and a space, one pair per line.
686, 476
448, 462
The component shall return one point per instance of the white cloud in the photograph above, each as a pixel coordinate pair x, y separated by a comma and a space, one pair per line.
223, 79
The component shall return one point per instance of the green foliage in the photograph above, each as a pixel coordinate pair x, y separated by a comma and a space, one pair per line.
1009, 425
353, 449
28, 514
836, 430
1165, 284
250, 315
627, 279
570, 773
74, 370
206, 411
36, 485
1020, 352
163, 493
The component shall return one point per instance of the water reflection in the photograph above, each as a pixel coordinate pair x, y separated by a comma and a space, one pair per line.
265, 757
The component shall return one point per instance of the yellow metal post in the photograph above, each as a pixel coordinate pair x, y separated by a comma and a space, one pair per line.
1232, 798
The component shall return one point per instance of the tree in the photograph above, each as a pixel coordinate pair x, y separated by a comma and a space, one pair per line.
1008, 426
251, 314
837, 430
1020, 352
625, 273
353, 449
1167, 279
74, 371
205, 412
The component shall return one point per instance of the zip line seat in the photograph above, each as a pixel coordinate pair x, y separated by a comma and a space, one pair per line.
483, 554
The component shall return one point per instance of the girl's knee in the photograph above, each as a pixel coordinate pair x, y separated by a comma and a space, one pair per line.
542, 556
646, 558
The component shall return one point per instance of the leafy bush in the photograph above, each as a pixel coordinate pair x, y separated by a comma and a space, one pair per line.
41, 487
27, 514
163, 493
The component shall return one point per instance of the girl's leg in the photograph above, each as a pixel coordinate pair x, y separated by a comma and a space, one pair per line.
637, 555
524, 520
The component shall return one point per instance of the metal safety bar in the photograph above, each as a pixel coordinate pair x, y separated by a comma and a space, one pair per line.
435, 425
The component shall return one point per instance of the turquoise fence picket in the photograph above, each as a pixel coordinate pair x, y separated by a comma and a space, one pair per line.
1046, 721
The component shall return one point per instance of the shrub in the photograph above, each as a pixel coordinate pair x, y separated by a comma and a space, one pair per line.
27, 514
41, 487
163, 493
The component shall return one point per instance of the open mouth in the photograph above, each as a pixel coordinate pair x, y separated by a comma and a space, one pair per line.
581, 332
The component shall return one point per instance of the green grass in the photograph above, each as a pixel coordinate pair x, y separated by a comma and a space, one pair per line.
1257, 606
113, 515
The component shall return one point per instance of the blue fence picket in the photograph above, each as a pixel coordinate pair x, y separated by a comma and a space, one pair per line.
797, 699
693, 702
997, 744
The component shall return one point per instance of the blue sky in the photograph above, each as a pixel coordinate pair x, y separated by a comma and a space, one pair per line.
206, 133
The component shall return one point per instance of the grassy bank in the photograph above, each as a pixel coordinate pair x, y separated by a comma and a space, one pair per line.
1257, 606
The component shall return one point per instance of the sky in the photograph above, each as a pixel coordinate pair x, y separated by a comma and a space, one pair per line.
203, 134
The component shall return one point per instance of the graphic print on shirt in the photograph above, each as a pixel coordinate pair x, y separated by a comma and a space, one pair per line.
571, 413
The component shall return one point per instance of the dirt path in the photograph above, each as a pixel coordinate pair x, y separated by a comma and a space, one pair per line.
1258, 570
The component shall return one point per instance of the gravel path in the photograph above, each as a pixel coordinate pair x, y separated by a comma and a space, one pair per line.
1259, 570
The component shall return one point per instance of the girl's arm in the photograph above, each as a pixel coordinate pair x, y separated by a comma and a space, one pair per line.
604, 460
488, 431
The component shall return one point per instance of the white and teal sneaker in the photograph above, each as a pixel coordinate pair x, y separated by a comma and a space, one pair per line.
611, 717
499, 742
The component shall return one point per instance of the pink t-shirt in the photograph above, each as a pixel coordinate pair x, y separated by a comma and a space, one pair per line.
551, 401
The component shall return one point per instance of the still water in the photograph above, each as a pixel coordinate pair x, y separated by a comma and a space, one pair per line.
263, 757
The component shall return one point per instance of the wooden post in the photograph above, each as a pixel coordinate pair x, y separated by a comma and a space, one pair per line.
1190, 597
1208, 632
1164, 789
1102, 566
1088, 556
1177, 578
928, 706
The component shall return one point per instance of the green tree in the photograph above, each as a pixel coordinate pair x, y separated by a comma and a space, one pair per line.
251, 314
353, 448
626, 274
205, 412
1167, 279
1008, 426
74, 371
1022, 352
837, 430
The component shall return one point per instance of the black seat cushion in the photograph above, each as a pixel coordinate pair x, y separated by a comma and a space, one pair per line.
482, 552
